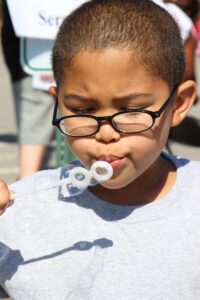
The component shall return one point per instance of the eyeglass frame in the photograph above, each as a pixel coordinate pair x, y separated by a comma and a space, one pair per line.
153, 114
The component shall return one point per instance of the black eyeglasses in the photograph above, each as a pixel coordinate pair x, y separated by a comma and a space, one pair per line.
128, 121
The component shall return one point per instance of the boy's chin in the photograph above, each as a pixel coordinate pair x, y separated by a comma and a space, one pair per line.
113, 184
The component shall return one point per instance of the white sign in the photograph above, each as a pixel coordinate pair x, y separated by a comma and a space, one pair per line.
40, 18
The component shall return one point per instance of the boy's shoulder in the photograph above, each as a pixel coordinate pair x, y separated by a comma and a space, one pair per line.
188, 176
183, 164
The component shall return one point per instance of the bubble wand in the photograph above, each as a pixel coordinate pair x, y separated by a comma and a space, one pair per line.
77, 181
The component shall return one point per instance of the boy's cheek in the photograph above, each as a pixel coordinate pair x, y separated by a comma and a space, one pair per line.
79, 146
71, 144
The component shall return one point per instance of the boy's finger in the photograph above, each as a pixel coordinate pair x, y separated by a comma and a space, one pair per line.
6, 196
10, 203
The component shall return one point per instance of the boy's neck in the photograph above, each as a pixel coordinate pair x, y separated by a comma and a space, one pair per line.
142, 191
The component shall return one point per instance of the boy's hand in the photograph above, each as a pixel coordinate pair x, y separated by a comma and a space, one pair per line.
6, 197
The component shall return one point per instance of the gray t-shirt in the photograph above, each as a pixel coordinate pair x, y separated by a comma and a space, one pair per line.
84, 248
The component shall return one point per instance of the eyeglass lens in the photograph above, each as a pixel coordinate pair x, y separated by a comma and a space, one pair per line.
128, 122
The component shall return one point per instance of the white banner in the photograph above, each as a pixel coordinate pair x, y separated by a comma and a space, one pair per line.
40, 18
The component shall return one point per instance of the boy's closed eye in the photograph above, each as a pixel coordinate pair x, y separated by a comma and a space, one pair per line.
92, 111
81, 111
75, 104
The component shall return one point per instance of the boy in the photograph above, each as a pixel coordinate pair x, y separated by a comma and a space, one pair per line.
118, 66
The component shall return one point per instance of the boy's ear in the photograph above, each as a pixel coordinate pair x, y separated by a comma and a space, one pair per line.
53, 91
185, 98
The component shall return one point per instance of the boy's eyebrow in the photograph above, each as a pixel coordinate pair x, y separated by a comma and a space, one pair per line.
122, 98
76, 97
132, 96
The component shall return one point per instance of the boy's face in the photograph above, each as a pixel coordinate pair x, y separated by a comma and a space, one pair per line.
102, 84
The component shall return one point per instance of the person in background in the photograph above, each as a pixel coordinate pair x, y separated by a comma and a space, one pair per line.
185, 22
190, 7
185, 14
196, 34
33, 107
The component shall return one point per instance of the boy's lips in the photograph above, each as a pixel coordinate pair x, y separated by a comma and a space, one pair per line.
115, 161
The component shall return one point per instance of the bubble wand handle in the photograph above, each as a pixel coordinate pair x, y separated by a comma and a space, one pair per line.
79, 178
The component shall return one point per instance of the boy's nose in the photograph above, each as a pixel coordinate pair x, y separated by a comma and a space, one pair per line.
107, 133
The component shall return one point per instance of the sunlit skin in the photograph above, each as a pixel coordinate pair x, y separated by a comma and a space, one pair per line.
101, 84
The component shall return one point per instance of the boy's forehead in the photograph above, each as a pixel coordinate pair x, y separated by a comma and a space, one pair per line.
132, 24
107, 59
107, 53
111, 72
110, 61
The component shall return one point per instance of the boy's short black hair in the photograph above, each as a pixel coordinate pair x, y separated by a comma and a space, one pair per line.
147, 30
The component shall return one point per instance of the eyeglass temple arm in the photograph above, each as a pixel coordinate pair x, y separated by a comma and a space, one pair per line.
158, 113
54, 120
